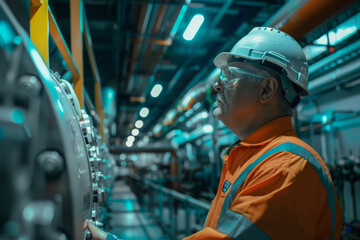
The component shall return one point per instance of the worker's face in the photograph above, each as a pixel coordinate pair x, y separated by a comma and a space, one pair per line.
237, 96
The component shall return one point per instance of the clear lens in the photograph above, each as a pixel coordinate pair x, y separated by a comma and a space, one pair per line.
229, 75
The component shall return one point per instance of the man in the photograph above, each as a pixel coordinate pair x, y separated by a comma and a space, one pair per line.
273, 185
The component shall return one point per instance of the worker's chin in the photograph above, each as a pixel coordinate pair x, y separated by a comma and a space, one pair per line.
218, 112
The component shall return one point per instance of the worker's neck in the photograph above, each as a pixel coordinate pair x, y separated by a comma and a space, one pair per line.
242, 131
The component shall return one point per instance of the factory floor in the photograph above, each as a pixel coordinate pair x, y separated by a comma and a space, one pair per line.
128, 220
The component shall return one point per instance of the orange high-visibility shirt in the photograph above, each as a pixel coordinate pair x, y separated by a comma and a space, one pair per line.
273, 186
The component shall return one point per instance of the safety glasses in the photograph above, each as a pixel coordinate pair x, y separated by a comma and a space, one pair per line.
229, 75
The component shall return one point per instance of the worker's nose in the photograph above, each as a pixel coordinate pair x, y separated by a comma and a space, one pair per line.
218, 86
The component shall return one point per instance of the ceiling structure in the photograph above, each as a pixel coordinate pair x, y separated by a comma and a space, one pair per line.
137, 46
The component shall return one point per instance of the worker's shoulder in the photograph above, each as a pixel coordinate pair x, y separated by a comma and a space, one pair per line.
293, 160
295, 140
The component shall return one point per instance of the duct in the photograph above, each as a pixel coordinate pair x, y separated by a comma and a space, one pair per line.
342, 74
280, 18
306, 15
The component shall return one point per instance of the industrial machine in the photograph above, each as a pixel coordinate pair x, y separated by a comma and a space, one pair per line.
56, 171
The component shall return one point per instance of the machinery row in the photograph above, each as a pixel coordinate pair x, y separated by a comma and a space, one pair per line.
56, 170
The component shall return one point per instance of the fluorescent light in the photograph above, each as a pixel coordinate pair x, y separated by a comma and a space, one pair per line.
135, 132
155, 92
139, 123
193, 27
144, 112
131, 138
129, 144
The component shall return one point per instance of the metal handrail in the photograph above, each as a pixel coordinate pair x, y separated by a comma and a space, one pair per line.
176, 195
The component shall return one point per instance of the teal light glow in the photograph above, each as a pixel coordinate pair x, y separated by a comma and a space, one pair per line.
17, 116
129, 206
155, 92
178, 21
193, 27
324, 119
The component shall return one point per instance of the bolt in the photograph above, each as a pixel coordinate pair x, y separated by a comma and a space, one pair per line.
52, 163
30, 84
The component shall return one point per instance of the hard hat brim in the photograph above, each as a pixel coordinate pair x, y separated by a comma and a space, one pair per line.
222, 58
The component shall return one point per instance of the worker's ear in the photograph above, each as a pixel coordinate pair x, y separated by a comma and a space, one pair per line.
267, 90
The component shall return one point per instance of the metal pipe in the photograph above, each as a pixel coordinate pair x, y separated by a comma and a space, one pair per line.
339, 75
306, 15
335, 56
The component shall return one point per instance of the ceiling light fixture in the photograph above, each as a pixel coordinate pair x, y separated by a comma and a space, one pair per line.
139, 123
144, 112
156, 90
131, 138
193, 27
135, 132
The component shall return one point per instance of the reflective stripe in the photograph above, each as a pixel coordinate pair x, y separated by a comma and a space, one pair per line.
238, 226
233, 223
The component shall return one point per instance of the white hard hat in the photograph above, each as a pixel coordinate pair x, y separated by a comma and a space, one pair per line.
276, 51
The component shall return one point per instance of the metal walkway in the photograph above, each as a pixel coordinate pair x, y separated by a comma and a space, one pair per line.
128, 220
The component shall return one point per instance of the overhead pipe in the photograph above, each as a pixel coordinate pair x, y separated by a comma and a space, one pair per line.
339, 75
335, 56
194, 95
299, 17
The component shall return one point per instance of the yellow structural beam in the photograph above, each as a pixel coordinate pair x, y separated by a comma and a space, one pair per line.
62, 46
76, 26
95, 71
39, 27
